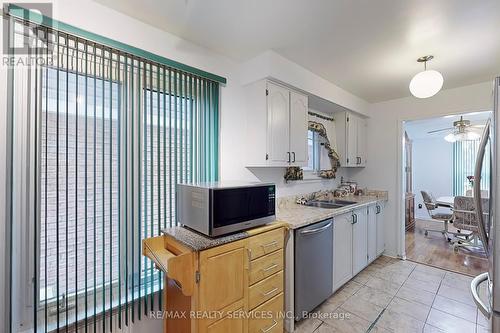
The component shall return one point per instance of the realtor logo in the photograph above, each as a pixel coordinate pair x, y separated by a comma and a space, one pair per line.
24, 38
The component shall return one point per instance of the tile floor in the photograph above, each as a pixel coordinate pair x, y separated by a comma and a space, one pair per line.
393, 295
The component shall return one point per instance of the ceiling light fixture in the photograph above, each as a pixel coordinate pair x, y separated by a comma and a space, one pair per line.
426, 83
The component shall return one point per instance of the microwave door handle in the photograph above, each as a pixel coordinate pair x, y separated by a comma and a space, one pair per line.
477, 186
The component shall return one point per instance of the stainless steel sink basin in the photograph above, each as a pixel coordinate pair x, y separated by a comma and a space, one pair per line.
331, 204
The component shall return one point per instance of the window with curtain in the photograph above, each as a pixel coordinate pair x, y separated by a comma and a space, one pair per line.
464, 160
107, 137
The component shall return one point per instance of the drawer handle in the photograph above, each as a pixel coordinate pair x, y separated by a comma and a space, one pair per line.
265, 330
273, 266
270, 292
273, 243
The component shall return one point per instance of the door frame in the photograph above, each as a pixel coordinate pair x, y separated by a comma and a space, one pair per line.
400, 193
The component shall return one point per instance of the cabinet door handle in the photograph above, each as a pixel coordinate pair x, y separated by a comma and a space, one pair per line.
354, 219
293, 156
265, 330
273, 266
270, 292
289, 157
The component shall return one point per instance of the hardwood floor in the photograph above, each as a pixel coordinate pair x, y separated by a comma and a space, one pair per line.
435, 250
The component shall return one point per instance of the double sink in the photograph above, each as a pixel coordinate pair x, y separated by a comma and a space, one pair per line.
330, 204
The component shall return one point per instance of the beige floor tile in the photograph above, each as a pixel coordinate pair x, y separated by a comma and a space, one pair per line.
398, 322
374, 296
459, 309
307, 325
481, 319
450, 323
457, 280
430, 286
400, 267
349, 324
363, 277
392, 276
416, 295
431, 329
384, 285
331, 304
361, 308
461, 295
430, 270
423, 276
351, 287
378, 329
481, 329
410, 308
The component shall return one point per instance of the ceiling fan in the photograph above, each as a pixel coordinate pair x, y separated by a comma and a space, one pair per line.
462, 130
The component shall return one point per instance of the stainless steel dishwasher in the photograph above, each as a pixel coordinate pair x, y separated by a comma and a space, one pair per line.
313, 266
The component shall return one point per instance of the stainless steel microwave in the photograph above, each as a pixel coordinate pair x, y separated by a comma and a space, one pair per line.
219, 208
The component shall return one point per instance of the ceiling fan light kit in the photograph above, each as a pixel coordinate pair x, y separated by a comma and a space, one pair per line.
426, 83
461, 131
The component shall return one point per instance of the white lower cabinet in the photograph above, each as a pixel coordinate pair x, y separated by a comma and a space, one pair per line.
342, 249
372, 233
358, 239
380, 227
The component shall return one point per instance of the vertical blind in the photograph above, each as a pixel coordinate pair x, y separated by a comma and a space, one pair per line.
113, 134
464, 159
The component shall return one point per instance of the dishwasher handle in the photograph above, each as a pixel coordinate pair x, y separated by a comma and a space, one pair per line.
474, 287
317, 230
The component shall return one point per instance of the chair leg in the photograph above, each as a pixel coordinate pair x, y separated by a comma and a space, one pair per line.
466, 243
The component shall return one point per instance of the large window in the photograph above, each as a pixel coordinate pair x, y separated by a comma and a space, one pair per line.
104, 137
464, 160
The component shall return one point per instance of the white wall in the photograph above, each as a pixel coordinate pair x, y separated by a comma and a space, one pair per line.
385, 141
432, 170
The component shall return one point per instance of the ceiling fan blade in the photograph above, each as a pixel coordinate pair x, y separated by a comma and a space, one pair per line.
478, 126
441, 130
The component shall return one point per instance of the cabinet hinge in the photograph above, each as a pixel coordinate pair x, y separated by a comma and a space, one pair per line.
197, 277
267, 92
267, 157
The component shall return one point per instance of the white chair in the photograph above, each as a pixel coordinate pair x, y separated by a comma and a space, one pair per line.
465, 218
431, 206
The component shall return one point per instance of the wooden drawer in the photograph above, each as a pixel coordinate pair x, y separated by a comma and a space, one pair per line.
265, 266
265, 290
260, 320
266, 243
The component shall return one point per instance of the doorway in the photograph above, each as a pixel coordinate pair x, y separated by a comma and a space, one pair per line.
437, 163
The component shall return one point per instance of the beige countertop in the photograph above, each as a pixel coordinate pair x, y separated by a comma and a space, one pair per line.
297, 216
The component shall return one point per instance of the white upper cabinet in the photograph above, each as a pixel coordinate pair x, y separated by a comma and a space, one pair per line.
277, 122
278, 128
298, 128
351, 139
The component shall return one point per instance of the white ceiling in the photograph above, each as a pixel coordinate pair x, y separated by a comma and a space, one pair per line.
418, 129
364, 46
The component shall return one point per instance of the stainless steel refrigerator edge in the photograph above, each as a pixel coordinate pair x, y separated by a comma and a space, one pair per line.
488, 217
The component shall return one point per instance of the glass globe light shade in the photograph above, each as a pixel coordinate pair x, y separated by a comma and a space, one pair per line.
426, 84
